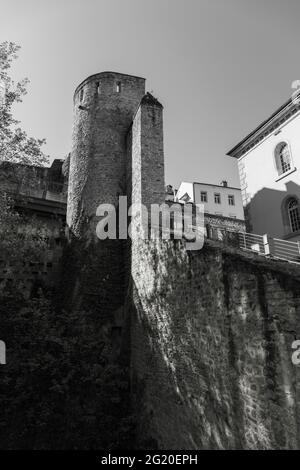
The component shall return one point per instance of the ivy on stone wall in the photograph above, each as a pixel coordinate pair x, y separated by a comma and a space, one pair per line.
21, 238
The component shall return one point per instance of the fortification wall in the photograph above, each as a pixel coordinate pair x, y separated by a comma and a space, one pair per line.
27, 277
211, 335
47, 183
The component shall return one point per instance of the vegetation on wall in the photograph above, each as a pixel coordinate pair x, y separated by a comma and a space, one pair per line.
21, 238
59, 389
62, 386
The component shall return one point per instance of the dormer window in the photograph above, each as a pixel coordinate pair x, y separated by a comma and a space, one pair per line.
119, 87
283, 158
98, 87
81, 95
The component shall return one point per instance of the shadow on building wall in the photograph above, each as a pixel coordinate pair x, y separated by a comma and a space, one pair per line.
267, 211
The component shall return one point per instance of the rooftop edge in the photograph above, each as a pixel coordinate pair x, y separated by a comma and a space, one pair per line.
281, 110
99, 74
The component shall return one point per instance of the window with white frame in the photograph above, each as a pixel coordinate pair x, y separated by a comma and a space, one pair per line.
294, 214
231, 200
203, 196
283, 158
217, 198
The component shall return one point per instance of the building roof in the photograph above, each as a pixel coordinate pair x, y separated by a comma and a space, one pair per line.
101, 74
269, 125
217, 185
149, 99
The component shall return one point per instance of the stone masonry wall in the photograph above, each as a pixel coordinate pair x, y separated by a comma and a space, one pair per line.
29, 276
104, 106
102, 117
211, 335
226, 223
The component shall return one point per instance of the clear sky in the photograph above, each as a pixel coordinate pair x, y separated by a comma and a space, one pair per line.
219, 67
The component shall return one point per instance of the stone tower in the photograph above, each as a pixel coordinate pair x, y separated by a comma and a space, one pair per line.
104, 107
117, 150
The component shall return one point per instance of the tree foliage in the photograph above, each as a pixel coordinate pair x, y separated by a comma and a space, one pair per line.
15, 145
21, 238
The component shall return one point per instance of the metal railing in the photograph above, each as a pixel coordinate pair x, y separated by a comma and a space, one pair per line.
261, 244
252, 242
285, 249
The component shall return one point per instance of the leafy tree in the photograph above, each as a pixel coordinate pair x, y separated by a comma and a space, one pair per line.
21, 238
15, 145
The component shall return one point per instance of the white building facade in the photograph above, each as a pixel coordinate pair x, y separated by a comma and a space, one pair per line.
219, 200
268, 162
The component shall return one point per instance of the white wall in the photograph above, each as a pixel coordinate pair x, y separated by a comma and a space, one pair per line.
224, 209
185, 188
265, 193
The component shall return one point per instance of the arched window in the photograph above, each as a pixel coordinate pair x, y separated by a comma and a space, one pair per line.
283, 158
294, 214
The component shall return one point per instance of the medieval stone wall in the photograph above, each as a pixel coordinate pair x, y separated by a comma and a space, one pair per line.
27, 277
208, 332
104, 106
211, 349
22, 181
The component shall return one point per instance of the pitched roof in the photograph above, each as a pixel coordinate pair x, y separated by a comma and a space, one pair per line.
149, 99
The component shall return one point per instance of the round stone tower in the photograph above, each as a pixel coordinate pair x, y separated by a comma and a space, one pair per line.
104, 107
